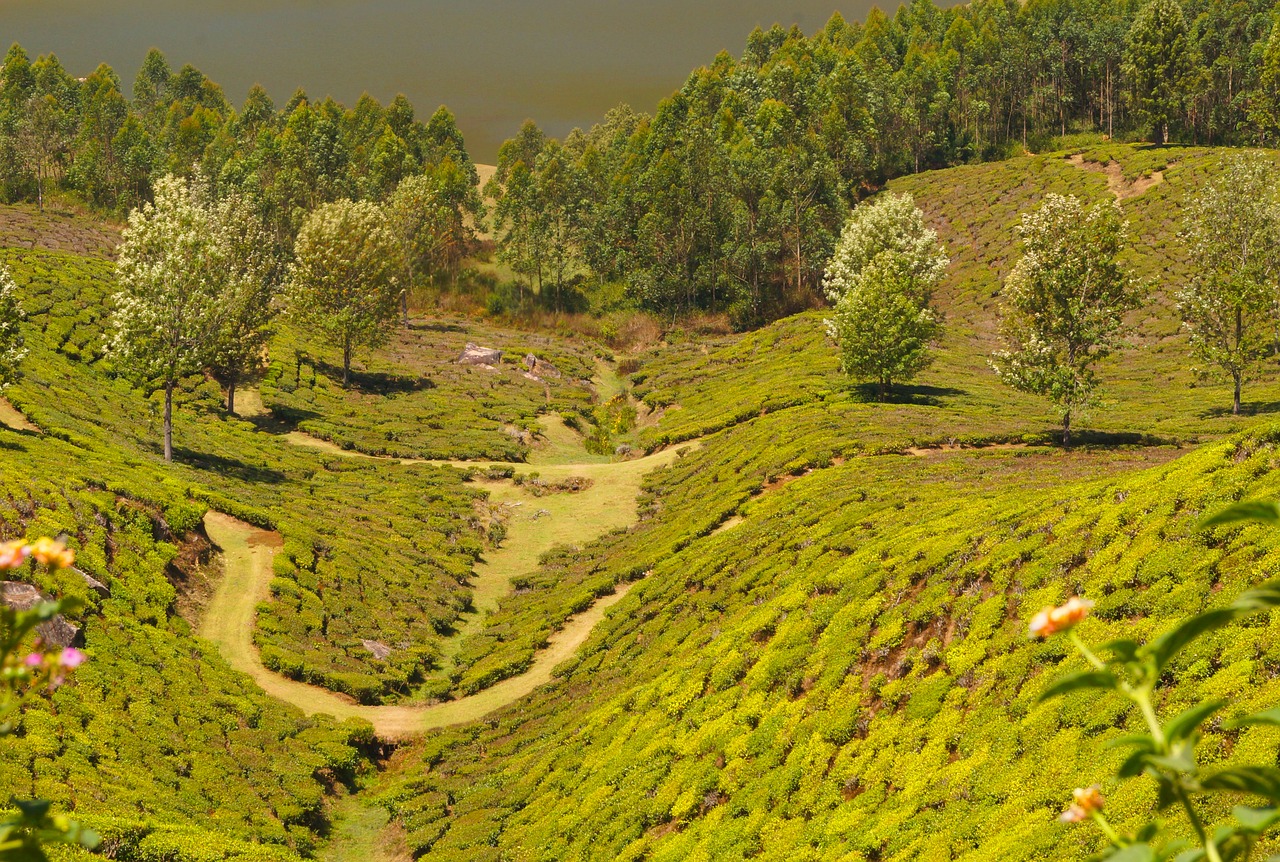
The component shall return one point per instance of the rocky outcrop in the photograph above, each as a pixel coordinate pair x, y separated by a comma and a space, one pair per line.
24, 597
474, 354
540, 368
379, 650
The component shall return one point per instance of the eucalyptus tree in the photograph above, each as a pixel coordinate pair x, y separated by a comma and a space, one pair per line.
1232, 229
344, 282
169, 267
1064, 302
1163, 65
881, 279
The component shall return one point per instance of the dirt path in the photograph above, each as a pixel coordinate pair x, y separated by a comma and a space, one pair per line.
538, 524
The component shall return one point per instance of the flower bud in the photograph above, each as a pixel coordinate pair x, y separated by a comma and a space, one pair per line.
12, 555
1053, 620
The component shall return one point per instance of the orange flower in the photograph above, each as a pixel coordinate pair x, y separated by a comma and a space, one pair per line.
1088, 801
52, 553
1053, 620
12, 555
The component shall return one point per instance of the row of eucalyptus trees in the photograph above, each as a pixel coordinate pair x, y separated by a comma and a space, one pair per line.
732, 194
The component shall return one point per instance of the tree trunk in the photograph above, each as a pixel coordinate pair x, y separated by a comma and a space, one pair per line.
168, 420
1235, 407
1066, 428
404, 306
231, 396
882, 389
346, 361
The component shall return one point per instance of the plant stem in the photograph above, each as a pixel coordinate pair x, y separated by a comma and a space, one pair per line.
1098, 664
1210, 849
1106, 828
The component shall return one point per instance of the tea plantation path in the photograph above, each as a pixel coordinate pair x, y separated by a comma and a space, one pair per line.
536, 525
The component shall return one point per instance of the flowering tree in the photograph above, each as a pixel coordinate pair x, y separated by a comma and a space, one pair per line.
28, 666
423, 223
243, 301
1064, 302
169, 268
1166, 751
881, 279
11, 351
1232, 228
344, 281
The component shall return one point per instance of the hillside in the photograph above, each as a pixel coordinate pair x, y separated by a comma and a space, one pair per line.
822, 631
802, 617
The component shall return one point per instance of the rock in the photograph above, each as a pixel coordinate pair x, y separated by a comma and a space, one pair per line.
59, 632
24, 597
473, 354
541, 368
623, 450
93, 583
19, 596
380, 650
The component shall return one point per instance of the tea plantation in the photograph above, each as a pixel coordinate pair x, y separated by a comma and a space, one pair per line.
823, 654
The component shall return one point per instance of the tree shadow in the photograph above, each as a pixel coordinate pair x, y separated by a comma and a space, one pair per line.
376, 382
225, 466
280, 419
920, 396
1247, 408
436, 327
1093, 439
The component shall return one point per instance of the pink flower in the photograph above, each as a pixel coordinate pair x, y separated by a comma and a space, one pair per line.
1053, 620
34, 660
13, 555
71, 658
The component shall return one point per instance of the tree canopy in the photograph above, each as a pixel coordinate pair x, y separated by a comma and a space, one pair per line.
1229, 306
344, 282
1064, 302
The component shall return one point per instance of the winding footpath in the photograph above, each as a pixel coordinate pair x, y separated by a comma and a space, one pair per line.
536, 525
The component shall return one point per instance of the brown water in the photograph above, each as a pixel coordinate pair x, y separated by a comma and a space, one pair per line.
493, 62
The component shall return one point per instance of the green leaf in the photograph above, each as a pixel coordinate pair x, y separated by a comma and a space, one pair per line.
1267, 716
1195, 854
1187, 722
1133, 853
1080, 679
1171, 643
1256, 820
1258, 780
1260, 598
1181, 759
1122, 650
1134, 764
1142, 741
1261, 511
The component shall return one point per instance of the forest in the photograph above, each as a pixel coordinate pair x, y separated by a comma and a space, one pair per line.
730, 195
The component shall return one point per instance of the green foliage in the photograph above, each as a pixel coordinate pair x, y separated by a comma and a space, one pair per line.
881, 279
1229, 306
1163, 65
1168, 752
1066, 300
344, 280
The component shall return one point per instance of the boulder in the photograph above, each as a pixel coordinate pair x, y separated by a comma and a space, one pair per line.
473, 354
541, 368
380, 650
93, 583
24, 597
